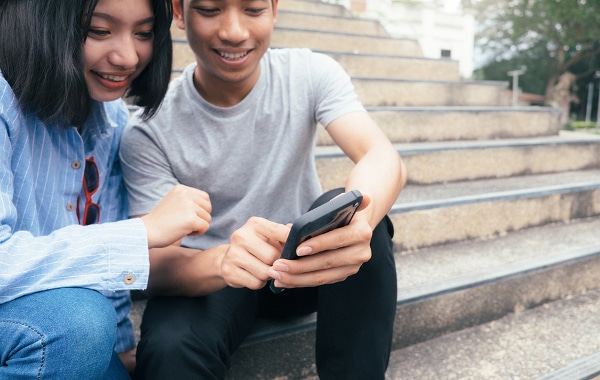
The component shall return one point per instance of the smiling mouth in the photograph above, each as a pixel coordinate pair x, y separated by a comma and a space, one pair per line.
232, 56
113, 78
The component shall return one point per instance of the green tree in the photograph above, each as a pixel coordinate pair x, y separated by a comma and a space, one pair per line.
557, 36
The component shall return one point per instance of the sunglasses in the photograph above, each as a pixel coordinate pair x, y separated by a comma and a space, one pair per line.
91, 183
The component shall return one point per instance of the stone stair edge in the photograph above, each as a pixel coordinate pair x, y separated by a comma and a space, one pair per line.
492, 109
407, 149
379, 55
348, 17
495, 274
283, 4
335, 33
414, 148
587, 368
450, 82
349, 53
511, 195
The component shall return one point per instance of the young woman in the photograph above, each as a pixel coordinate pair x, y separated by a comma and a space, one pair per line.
64, 236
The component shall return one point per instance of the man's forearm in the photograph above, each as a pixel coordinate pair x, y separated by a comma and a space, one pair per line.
179, 271
381, 174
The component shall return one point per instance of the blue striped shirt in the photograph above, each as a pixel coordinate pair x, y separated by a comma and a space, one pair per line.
42, 246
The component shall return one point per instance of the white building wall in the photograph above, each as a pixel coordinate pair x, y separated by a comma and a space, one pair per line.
436, 27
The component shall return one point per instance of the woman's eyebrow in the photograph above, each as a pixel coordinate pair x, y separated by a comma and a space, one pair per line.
108, 17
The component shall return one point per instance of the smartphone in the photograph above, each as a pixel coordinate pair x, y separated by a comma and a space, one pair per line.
336, 213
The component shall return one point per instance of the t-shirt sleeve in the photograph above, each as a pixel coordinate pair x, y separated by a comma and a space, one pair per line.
334, 91
147, 174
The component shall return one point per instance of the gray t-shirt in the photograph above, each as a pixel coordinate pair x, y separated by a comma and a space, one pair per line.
253, 159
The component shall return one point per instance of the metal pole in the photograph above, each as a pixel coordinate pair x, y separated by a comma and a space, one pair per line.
588, 108
515, 93
598, 111
515, 85
597, 75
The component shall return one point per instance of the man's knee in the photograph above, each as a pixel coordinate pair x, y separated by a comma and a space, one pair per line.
181, 353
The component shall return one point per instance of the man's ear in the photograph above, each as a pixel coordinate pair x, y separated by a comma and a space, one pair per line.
178, 14
275, 5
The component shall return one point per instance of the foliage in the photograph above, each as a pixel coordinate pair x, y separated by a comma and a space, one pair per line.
574, 125
533, 61
550, 37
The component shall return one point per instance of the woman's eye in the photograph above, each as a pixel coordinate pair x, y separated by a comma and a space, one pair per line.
98, 32
145, 35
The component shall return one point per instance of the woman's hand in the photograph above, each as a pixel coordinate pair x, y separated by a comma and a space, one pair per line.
184, 211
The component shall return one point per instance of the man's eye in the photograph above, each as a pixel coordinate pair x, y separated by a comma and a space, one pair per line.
207, 11
256, 11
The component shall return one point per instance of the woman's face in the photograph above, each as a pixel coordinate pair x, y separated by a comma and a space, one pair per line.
118, 46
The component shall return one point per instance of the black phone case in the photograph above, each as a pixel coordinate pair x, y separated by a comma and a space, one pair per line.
336, 213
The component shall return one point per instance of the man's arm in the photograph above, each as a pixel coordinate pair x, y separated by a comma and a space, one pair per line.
378, 171
180, 271
244, 262
380, 175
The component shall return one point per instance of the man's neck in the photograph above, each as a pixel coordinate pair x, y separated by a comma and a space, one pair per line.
221, 93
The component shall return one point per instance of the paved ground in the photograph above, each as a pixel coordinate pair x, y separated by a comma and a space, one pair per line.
526, 345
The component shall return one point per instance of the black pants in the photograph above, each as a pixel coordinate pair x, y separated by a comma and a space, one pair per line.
194, 338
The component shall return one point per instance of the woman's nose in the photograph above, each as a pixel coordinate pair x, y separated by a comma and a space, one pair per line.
124, 53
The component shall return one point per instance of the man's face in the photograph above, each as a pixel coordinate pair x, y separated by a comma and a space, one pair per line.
228, 37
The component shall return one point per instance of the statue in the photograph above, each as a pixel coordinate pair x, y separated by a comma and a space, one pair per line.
562, 96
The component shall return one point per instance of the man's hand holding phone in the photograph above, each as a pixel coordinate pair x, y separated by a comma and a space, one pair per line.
339, 244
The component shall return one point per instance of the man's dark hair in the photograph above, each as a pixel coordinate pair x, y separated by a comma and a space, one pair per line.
41, 58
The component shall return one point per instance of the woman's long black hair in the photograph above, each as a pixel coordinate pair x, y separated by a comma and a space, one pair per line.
41, 58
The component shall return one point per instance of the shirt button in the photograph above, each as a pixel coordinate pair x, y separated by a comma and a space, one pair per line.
129, 279
70, 206
76, 164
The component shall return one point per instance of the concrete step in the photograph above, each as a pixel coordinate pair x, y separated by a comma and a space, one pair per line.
440, 162
334, 41
436, 124
447, 289
557, 341
314, 7
444, 162
421, 93
399, 92
330, 20
330, 23
396, 67
434, 215
344, 42
365, 65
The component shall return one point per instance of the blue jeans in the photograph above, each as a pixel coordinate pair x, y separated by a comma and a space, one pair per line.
66, 333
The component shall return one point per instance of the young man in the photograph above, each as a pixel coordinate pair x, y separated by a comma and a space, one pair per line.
239, 124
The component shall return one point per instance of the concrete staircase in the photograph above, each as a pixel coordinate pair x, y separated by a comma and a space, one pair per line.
496, 246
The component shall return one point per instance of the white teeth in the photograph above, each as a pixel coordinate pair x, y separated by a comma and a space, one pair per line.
233, 56
113, 78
